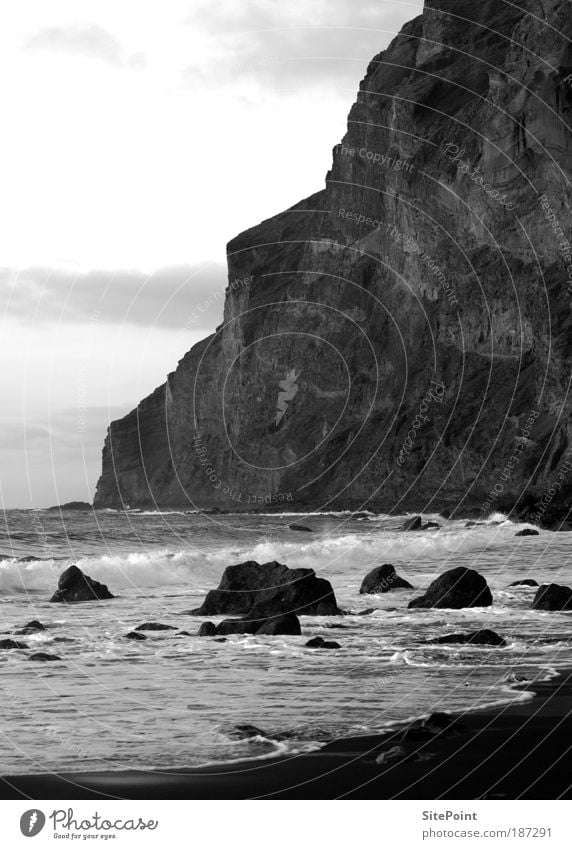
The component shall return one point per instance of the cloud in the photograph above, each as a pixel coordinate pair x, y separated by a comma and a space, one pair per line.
328, 42
92, 42
172, 297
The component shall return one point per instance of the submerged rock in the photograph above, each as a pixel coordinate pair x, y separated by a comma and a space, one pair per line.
553, 597
525, 582
74, 586
383, 579
413, 524
134, 635
32, 627
456, 588
320, 643
270, 589
43, 657
484, 637
527, 532
244, 732
155, 626
12, 644
288, 624
301, 528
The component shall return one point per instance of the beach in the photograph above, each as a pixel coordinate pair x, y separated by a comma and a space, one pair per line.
522, 751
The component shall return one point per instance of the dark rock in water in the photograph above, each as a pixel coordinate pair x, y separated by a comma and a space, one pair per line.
183, 634
429, 525
154, 626
207, 629
12, 644
43, 657
365, 612
72, 505
32, 627
135, 635
526, 582
320, 643
413, 524
445, 514
289, 624
472, 524
220, 640
383, 579
238, 626
456, 588
553, 597
74, 586
270, 589
527, 532
335, 625
301, 528
484, 637
360, 516
29, 558
244, 732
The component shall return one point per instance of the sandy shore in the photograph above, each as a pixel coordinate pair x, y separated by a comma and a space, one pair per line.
519, 751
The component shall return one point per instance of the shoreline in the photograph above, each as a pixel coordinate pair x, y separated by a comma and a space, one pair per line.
516, 750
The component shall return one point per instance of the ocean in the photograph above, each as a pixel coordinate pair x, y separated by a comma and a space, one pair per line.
174, 701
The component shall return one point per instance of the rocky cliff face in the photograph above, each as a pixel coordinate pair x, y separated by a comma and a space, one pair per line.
402, 338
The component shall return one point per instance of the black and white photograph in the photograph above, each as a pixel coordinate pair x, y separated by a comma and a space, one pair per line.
286, 421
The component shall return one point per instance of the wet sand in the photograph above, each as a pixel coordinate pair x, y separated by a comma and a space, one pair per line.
523, 750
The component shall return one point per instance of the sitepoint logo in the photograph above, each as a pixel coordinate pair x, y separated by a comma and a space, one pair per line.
32, 822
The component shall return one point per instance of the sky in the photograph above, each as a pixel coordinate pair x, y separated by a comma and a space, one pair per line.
138, 138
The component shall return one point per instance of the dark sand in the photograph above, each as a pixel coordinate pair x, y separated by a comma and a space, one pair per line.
511, 752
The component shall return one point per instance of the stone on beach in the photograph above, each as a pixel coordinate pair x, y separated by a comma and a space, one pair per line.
553, 597
270, 589
74, 586
383, 579
456, 588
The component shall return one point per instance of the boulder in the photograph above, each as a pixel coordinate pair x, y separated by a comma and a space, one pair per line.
526, 582
460, 587
382, 579
135, 635
413, 524
289, 624
553, 597
80, 506
301, 528
320, 643
43, 657
269, 589
12, 644
74, 586
207, 629
155, 626
484, 637
32, 627
527, 532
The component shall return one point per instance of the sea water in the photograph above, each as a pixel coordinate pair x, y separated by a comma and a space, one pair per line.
174, 700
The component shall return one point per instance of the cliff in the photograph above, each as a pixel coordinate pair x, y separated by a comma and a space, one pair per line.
401, 339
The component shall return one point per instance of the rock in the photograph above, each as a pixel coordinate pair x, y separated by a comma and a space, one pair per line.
238, 626
135, 635
413, 524
382, 579
527, 532
154, 626
32, 627
429, 525
183, 634
553, 597
43, 657
360, 516
270, 589
525, 582
484, 637
289, 624
207, 629
12, 644
80, 506
393, 755
320, 643
244, 732
220, 640
472, 524
74, 586
419, 127
300, 528
445, 514
456, 588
